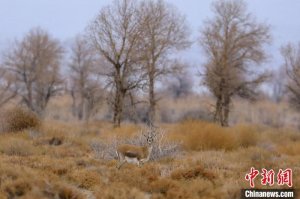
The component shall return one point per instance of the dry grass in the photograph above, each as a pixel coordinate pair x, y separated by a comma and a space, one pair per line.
200, 136
213, 162
16, 147
197, 136
18, 119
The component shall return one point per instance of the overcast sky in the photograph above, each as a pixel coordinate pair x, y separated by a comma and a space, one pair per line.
65, 19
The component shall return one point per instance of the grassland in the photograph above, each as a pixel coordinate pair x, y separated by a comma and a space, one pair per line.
57, 160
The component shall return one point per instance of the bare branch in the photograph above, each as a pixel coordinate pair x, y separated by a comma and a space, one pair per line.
291, 55
7, 89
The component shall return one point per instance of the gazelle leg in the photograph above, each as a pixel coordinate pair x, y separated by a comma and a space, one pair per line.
118, 155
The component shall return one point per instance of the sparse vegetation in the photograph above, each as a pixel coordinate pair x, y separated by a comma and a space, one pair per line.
162, 146
198, 136
16, 147
212, 162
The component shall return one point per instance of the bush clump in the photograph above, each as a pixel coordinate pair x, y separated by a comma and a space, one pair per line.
162, 146
16, 147
197, 135
18, 119
200, 135
191, 173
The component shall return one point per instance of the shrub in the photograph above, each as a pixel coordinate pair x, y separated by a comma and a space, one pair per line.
199, 135
16, 146
162, 146
203, 136
33, 188
163, 185
133, 176
291, 148
85, 179
17, 188
246, 135
119, 191
104, 150
191, 173
68, 192
18, 119
170, 189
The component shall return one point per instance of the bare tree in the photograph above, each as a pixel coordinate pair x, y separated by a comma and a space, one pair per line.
278, 84
164, 31
233, 41
115, 33
7, 89
34, 62
291, 55
86, 89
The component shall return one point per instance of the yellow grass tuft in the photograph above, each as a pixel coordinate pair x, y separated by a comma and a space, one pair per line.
18, 119
192, 173
85, 179
291, 148
197, 135
16, 147
246, 135
201, 135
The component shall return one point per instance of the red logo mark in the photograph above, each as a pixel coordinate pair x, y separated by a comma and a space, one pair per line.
268, 177
285, 177
251, 176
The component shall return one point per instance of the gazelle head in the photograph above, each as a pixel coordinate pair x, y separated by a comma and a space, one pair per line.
150, 137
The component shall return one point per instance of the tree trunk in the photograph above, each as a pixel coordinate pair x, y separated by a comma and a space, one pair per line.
225, 111
119, 98
119, 109
29, 100
221, 114
217, 114
74, 104
152, 101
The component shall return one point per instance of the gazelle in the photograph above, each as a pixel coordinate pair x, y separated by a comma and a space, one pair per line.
135, 154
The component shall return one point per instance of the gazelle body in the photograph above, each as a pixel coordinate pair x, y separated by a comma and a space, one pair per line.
135, 154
